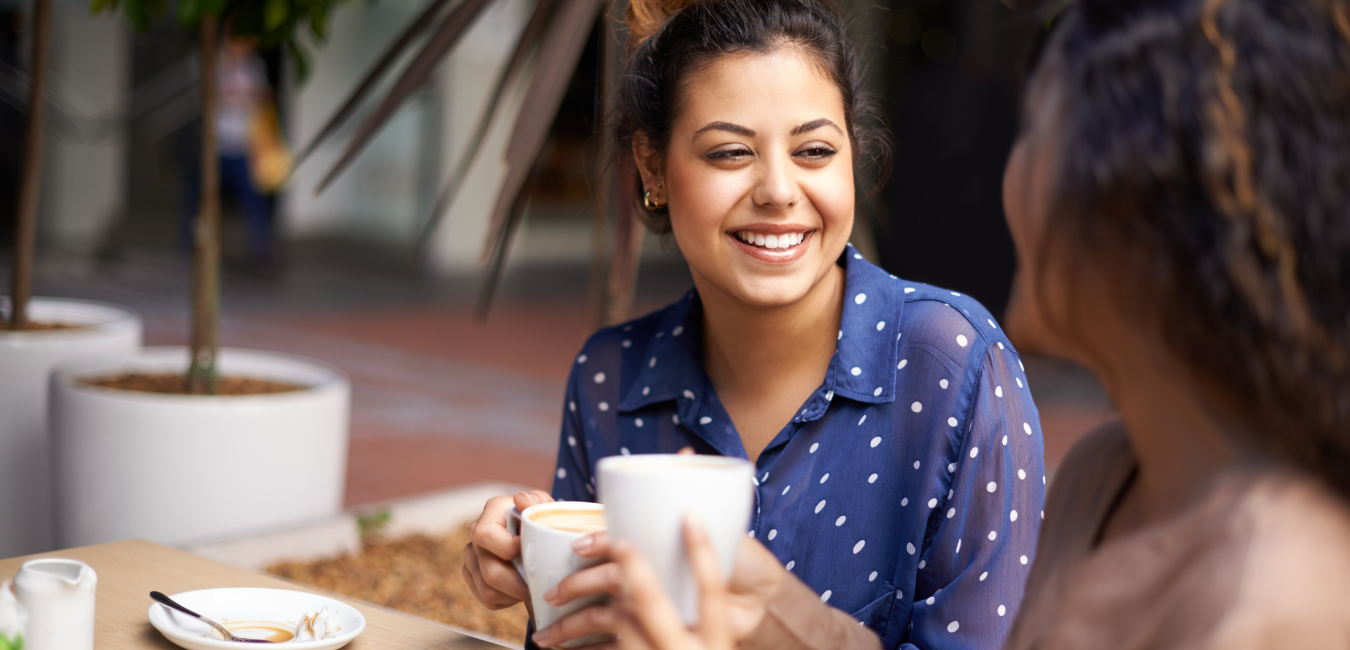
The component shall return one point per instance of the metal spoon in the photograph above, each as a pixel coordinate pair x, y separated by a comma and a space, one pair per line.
169, 602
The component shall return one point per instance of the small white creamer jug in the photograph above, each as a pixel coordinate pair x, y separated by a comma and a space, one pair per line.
59, 597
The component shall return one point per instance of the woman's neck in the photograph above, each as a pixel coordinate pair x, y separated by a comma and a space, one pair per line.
765, 361
1179, 443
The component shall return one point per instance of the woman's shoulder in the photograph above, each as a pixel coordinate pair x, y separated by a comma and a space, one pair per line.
1295, 584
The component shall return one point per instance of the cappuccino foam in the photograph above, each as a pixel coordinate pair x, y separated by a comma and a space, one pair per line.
571, 521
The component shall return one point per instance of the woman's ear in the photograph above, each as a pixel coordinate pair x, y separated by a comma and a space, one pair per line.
648, 164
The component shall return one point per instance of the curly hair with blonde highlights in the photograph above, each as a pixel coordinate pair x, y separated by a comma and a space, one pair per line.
1206, 144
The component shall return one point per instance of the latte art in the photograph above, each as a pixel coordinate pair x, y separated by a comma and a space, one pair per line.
571, 521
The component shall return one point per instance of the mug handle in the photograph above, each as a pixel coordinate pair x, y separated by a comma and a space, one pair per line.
513, 527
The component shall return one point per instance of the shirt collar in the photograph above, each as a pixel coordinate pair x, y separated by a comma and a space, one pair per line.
862, 369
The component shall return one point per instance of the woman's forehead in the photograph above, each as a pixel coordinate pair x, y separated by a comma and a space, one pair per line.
771, 91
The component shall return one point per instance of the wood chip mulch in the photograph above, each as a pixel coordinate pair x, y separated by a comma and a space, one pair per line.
174, 383
418, 574
39, 327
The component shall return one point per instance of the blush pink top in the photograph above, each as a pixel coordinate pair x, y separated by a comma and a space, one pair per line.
1260, 562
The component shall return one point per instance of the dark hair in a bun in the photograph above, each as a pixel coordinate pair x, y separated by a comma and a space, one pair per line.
676, 37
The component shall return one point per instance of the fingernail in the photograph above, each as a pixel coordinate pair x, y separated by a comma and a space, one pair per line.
551, 594
541, 637
583, 543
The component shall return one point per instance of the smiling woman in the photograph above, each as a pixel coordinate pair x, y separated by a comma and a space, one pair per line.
890, 423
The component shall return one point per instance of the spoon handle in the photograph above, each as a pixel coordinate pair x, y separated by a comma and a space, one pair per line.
169, 602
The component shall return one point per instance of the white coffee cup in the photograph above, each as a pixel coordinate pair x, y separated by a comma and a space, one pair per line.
647, 498
546, 557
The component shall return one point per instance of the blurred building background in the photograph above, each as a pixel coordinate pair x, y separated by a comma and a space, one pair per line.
441, 399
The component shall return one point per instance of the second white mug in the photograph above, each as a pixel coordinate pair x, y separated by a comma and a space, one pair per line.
647, 497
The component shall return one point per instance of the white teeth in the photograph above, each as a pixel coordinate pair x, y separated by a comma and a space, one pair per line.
772, 242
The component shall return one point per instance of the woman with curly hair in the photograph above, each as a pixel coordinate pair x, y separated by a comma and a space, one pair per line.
1180, 201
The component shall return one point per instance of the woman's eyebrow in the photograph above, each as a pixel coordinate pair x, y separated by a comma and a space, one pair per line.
726, 126
816, 124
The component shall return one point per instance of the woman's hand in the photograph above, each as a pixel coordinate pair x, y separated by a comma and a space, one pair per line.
487, 570
648, 619
754, 578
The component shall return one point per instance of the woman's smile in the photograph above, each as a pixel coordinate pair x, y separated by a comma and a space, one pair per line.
772, 243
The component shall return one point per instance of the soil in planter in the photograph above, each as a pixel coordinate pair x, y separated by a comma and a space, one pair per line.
40, 327
418, 574
173, 384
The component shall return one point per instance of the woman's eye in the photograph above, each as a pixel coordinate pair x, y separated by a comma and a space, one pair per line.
729, 154
817, 152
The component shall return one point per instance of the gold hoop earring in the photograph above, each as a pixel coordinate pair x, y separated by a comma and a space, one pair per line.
647, 201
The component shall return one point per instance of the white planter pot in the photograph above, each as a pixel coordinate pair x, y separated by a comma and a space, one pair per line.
26, 360
178, 469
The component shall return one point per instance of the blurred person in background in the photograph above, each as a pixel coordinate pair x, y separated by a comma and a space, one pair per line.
900, 476
1180, 201
247, 136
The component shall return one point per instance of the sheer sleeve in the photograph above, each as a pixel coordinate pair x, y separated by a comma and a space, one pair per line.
572, 479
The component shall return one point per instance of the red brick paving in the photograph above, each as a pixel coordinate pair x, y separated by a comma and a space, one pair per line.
380, 469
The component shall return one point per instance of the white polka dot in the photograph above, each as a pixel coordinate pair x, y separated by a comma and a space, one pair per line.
679, 329
961, 340
1042, 514
951, 513
825, 597
646, 389
862, 419
871, 578
902, 364
1024, 559
909, 289
916, 407
814, 447
1042, 480
820, 506
773, 533
1022, 474
627, 343
1019, 382
840, 337
1012, 516
581, 359
660, 334
571, 441
752, 534
638, 422
974, 451
755, 481
943, 384
790, 564
829, 396
675, 418
688, 394
840, 521
955, 293
932, 503
931, 600
876, 441
910, 548
1000, 345
951, 468
904, 501
704, 420
992, 486
953, 626
916, 464
1026, 427
881, 325
604, 406
993, 535
599, 377
1019, 365
624, 451
855, 371
950, 493
876, 392
983, 576
652, 363
1002, 610
1005, 441
958, 546
562, 473
873, 479
951, 422
998, 391
860, 298
572, 406
785, 490
991, 323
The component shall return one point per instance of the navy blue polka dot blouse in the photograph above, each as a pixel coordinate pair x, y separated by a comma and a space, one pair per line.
908, 490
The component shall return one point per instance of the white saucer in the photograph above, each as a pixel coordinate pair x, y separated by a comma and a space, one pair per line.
280, 606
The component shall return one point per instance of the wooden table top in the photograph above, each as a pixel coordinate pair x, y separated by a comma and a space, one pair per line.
128, 571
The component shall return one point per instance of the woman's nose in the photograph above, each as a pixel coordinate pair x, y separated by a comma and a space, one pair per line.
776, 188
